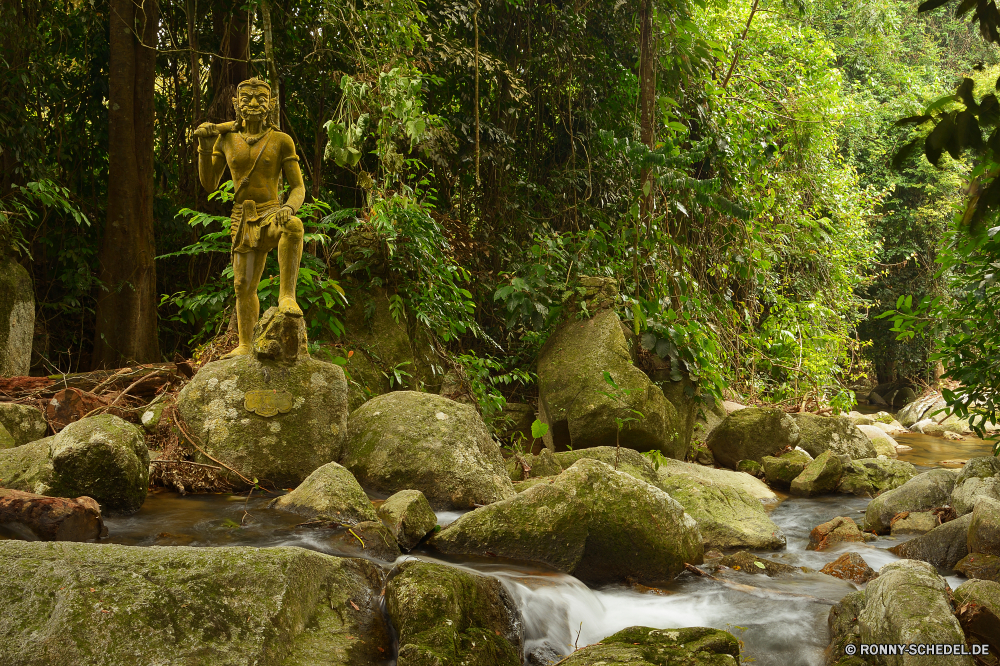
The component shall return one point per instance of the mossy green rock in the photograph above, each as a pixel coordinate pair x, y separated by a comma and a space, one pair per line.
24, 422
279, 450
751, 564
981, 467
717, 477
843, 623
6, 440
571, 391
820, 476
69, 604
908, 603
832, 433
644, 646
780, 471
966, 494
751, 467
921, 493
596, 523
370, 539
727, 517
332, 493
450, 617
977, 565
624, 460
752, 434
102, 457
984, 530
17, 318
544, 464
943, 547
407, 440
978, 602
869, 477
408, 515
880, 439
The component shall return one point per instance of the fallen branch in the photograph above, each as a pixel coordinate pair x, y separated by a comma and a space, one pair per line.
184, 462
191, 439
121, 395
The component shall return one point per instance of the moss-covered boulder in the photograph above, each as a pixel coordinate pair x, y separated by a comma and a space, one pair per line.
275, 415
331, 493
984, 529
819, 477
408, 515
921, 493
624, 460
752, 434
751, 467
837, 434
908, 603
369, 539
977, 565
978, 603
580, 407
594, 522
644, 646
712, 476
883, 443
780, 471
943, 547
914, 522
102, 457
69, 604
6, 440
17, 318
727, 517
843, 624
869, 477
966, 494
543, 464
407, 440
451, 617
24, 422
980, 467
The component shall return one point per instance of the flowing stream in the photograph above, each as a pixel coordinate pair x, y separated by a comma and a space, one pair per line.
781, 621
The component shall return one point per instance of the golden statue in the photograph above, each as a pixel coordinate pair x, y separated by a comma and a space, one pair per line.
257, 155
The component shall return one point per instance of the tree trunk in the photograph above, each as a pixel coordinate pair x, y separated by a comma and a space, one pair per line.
230, 25
126, 307
647, 101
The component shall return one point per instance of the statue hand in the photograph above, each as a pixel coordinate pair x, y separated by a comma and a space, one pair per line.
283, 215
206, 131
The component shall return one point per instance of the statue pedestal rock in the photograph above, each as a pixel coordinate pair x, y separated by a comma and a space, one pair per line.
275, 414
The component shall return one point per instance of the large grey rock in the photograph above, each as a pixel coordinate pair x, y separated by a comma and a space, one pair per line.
921, 493
299, 407
832, 433
645, 646
331, 493
409, 517
67, 604
446, 615
17, 318
591, 521
919, 408
820, 476
984, 530
903, 397
541, 465
908, 603
883, 443
752, 434
981, 467
966, 494
727, 517
572, 391
869, 477
712, 476
24, 422
943, 547
102, 457
407, 440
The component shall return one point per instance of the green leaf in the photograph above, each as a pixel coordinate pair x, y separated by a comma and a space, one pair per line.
539, 429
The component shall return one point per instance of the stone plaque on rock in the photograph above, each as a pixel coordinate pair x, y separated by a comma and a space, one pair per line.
268, 403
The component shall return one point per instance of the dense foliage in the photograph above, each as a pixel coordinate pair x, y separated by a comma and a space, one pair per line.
726, 162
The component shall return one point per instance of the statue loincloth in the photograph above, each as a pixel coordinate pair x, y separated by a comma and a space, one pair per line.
248, 220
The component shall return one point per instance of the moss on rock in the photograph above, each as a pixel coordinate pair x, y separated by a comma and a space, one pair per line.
625, 460
717, 477
644, 646
921, 493
282, 449
752, 434
409, 440
780, 471
820, 476
6, 440
596, 523
572, 391
943, 547
880, 439
408, 515
833, 433
102, 457
17, 318
332, 493
984, 529
67, 604
24, 422
544, 464
869, 477
449, 617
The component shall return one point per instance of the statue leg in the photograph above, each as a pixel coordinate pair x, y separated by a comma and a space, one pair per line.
289, 256
247, 269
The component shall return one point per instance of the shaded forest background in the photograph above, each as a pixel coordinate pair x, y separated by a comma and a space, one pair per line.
727, 162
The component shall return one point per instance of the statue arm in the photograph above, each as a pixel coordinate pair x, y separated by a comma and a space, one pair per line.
293, 175
211, 159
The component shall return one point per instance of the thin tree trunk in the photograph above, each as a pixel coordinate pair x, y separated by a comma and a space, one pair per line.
231, 27
647, 101
126, 329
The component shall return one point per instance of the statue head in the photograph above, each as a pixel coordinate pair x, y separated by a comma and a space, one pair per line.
253, 99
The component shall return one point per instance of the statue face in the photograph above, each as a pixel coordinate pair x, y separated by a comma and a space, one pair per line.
253, 102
